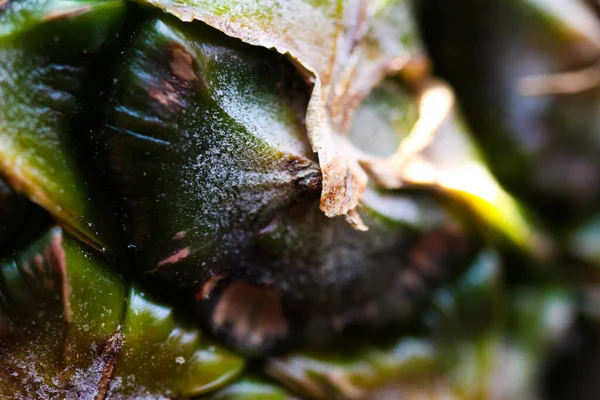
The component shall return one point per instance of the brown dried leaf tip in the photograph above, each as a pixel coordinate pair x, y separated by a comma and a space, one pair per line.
109, 356
255, 313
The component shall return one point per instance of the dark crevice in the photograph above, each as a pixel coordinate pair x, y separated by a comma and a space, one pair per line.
99, 79
21, 221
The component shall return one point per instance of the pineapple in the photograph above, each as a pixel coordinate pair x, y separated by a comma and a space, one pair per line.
241, 199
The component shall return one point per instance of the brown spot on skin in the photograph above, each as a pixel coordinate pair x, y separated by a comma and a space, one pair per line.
48, 280
174, 258
60, 14
38, 260
208, 287
182, 65
255, 313
179, 235
166, 95
110, 355
55, 256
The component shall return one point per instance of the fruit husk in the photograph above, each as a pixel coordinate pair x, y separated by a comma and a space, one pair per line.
210, 198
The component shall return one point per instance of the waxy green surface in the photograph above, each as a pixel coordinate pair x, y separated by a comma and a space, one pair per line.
70, 326
44, 68
57, 348
338, 47
205, 139
205, 152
